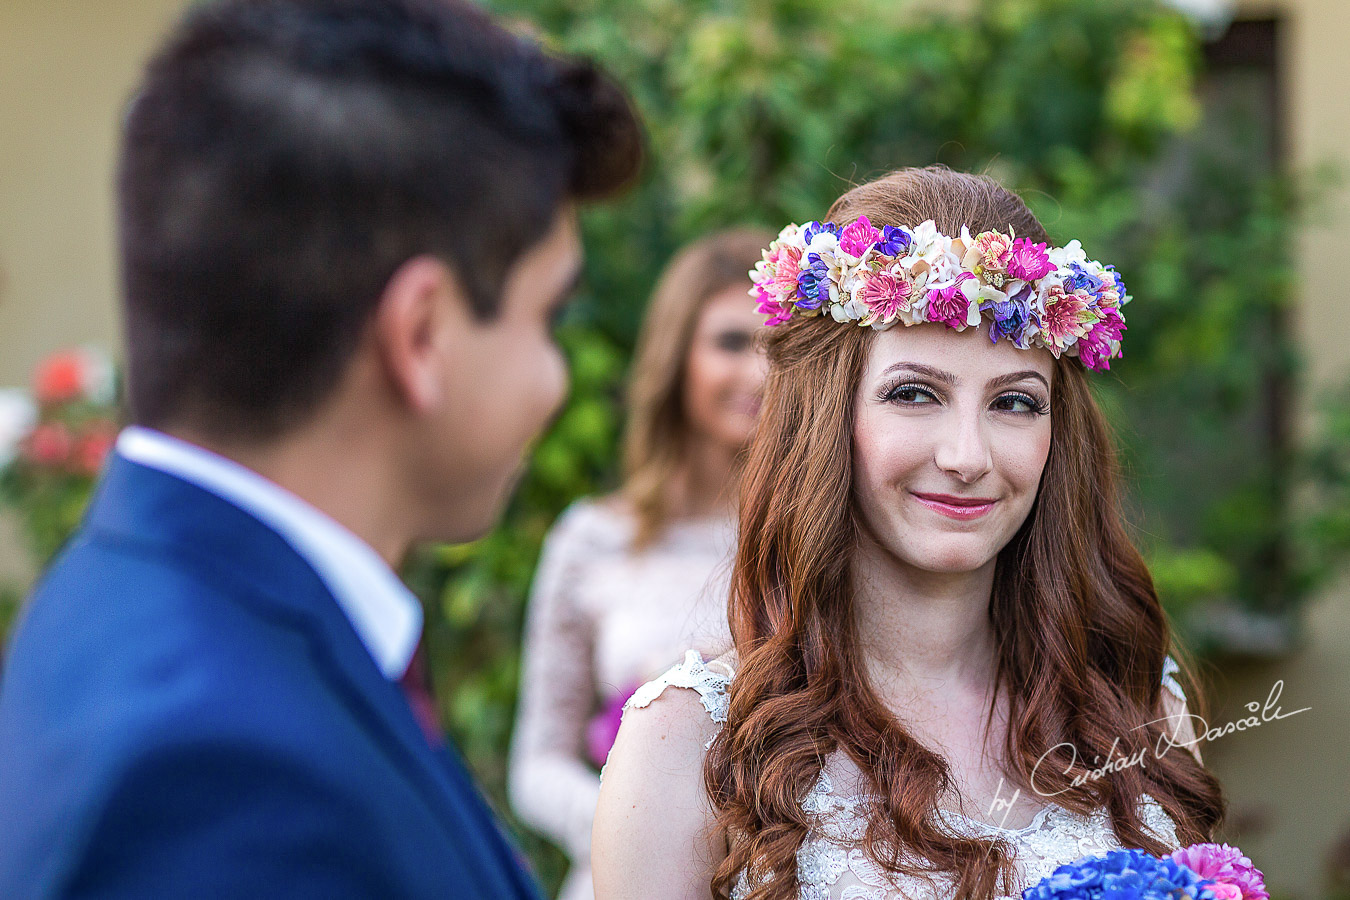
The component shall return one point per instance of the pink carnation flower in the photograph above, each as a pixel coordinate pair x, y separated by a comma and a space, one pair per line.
886, 295
1028, 261
858, 238
1234, 875
785, 264
1068, 317
950, 305
991, 250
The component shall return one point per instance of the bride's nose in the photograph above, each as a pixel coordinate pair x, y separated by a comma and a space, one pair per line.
962, 446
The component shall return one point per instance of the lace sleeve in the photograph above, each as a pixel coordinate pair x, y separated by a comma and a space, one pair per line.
550, 786
693, 673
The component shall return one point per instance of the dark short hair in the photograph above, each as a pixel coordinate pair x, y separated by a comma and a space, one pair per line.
284, 157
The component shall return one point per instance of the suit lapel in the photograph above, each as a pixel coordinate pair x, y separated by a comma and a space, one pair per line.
192, 527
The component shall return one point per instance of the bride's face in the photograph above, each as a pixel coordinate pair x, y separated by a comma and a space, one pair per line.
951, 436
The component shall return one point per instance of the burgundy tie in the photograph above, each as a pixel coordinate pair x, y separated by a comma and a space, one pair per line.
416, 684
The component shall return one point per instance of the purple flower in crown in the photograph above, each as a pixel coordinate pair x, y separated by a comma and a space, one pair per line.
950, 305
814, 228
1028, 261
894, 241
1234, 876
886, 295
1009, 318
857, 238
813, 285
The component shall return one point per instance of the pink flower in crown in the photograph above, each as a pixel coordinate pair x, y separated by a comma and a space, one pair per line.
1068, 317
950, 305
785, 264
988, 256
1234, 875
858, 238
886, 296
778, 309
1028, 261
1095, 349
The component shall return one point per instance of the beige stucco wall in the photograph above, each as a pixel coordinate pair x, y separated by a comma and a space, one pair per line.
66, 69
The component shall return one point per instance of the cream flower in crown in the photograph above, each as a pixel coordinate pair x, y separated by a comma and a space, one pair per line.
1054, 298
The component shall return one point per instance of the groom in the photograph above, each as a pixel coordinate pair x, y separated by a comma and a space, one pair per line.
346, 226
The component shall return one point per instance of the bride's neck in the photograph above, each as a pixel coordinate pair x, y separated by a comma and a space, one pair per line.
920, 631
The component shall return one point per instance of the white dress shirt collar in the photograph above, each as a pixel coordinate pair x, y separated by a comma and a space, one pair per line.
385, 615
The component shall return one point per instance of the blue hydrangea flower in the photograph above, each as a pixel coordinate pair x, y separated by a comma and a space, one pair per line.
813, 284
1121, 875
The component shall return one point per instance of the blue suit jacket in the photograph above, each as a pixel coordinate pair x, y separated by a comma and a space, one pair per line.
186, 712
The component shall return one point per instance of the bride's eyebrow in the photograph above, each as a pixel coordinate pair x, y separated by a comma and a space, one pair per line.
1015, 377
921, 369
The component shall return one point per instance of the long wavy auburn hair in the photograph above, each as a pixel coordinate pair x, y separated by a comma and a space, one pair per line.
1080, 634
656, 434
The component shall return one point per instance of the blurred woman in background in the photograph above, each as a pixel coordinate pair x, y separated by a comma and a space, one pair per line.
627, 583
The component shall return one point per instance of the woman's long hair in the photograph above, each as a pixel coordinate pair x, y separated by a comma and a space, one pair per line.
1081, 636
656, 435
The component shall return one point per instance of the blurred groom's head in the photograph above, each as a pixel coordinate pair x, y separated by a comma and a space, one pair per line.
359, 216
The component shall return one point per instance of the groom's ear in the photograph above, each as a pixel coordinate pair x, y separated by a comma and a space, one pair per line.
423, 306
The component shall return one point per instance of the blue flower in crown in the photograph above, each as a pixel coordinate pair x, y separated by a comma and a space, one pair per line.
1083, 280
813, 284
894, 241
814, 228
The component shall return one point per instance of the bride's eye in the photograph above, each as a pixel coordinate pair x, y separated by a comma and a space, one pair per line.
1021, 403
910, 395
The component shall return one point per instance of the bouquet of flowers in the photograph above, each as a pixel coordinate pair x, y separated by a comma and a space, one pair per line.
53, 443
1197, 872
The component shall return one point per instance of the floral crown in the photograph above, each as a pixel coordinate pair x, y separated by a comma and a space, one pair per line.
1057, 299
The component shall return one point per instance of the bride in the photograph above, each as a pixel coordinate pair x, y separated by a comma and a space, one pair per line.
950, 669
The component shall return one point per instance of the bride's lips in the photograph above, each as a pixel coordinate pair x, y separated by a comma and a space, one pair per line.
953, 507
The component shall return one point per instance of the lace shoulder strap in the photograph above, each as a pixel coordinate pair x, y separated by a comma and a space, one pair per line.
695, 674
1170, 669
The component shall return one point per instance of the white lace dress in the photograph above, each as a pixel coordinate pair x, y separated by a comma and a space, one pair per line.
602, 620
830, 863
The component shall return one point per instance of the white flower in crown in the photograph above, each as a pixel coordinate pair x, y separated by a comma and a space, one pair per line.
848, 311
930, 261
1072, 252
